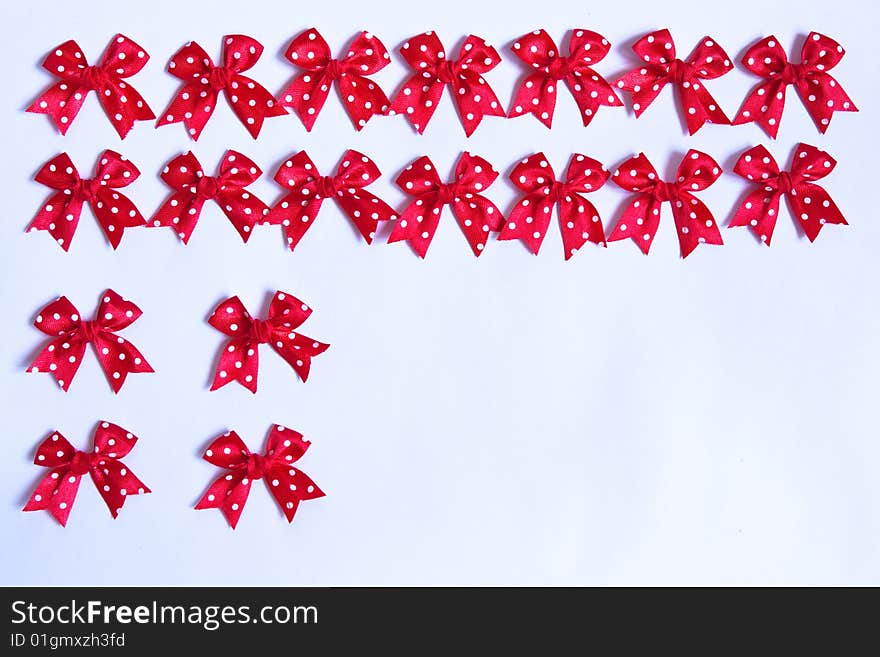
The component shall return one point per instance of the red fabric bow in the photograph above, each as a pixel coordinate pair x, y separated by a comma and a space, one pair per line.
63, 355
821, 94
114, 211
202, 83
239, 359
122, 103
476, 214
693, 221
537, 94
56, 493
182, 209
361, 96
288, 486
297, 210
578, 219
661, 67
473, 96
809, 202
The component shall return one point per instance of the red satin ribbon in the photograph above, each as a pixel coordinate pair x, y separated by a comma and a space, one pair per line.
821, 94
693, 221
182, 209
661, 67
202, 83
299, 207
473, 96
114, 210
361, 97
56, 493
239, 358
62, 356
579, 220
809, 203
476, 214
537, 94
122, 103
287, 485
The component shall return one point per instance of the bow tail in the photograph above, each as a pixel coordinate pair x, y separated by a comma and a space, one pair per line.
529, 221
191, 108
700, 107
252, 104
119, 358
639, 222
477, 216
590, 92
61, 358
123, 106
362, 99
474, 100
579, 223
764, 106
61, 102
295, 216
228, 493
365, 210
60, 217
813, 207
239, 361
56, 494
181, 212
115, 482
289, 487
758, 212
115, 212
417, 101
306, 96
643, 87
417, 225
536, 95
822, 95
694, 223
243, 209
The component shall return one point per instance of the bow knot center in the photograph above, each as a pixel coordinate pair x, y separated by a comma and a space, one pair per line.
261, 330
334, 69
326, 187
666, 191
81, 463
90, 330
558, 190
784, 183
679, 71
794, 73
448, 192
207, 187
558, 68
220, 77
94, 77
447, 71
256, 466
86, 188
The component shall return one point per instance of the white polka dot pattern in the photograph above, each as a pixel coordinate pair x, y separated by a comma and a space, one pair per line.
579, 220
306, 190
62, 356
810, 204
694, 222
821, 94
288, 485
239, 356
421, 93
184, 174
115, 212
537, 93
202, 83
659, 67
361, 97
121, 102
476, 214
115, 482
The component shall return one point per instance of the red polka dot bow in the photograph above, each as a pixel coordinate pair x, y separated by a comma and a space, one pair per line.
476, 214
297, 210
239, 359
809, 202
361, 96
694, 222
473, 96
122, 103
288, 486
56, 493
820, 93
537, 94
202, 83
182, 209
578, 219
63, 355
661, 67
114, 211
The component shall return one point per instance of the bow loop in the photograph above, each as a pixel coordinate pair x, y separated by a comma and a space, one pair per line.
116, 313
58, 318
656, 48
708, 61
231, 318
114, 170
766, 58
419, 177
58, 173
356, 170
758, 165
123, 58
240, 52
636, 174
182, 172
585, 174
288, 312
476, 56
297, 172
228, 451
309, 50
473, 174
821, 53
112, 441
190, 63
285, 446
537, 49
811, 163
67, 61
237, 170
54, 451
533, 174
587, 47
697, 171
366, 55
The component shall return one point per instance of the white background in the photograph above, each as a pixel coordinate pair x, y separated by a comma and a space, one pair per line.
616, 419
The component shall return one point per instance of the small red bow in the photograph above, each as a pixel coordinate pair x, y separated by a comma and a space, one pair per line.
693, 220
182, 209
288, 486
239, 359
56, 493
537, 94
821, 94
297, 210
202, 83
476, 214
122, 103
361, 96
707, 62
63, 355
809, 202
473, 96
578, 219
114, 211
